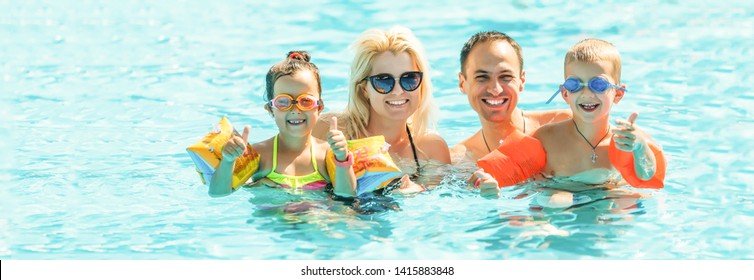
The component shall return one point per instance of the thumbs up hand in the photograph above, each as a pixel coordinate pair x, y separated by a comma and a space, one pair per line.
337, 141
236, 145
627, 138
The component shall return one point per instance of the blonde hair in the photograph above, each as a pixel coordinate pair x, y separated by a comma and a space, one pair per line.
367, 46
593, 50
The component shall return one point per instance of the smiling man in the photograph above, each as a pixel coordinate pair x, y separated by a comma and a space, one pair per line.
492, 77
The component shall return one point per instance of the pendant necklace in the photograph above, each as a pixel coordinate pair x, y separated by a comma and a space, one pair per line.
594, 153
501, 141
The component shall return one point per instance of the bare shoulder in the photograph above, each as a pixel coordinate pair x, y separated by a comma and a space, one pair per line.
459, 149
322, 145
458, 152
550, 116
550, 131
322, 149
467, 150
434, 146
432, 139
264, 148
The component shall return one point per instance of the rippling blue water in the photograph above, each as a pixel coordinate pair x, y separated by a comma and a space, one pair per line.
99, 100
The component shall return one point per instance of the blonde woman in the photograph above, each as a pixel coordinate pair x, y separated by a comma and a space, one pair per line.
390, 94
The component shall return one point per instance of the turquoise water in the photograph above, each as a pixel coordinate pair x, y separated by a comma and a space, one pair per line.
100, 100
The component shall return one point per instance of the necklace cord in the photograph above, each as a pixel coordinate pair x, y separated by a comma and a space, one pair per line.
523, 119
485, 142
587, 141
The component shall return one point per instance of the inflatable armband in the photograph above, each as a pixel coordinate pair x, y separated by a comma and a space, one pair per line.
624, 162
207, 154
373, 166
517, 159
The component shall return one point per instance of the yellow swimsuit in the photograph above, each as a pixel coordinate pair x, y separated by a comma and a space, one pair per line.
311, 181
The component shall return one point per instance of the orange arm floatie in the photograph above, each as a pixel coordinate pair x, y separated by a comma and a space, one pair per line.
517, 159
624, 162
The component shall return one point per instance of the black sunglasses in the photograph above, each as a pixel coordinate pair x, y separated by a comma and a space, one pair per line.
384, 83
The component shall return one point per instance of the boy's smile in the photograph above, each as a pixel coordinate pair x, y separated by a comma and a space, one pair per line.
585, 103
589, 106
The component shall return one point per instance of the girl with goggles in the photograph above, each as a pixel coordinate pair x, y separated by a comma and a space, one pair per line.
303, 102
292, 159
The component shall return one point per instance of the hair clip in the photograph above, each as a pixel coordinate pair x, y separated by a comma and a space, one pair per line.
294, 55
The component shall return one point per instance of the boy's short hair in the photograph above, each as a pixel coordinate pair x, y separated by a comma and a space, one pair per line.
593, 50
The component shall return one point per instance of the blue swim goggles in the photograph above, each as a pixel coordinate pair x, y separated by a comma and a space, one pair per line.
598, 85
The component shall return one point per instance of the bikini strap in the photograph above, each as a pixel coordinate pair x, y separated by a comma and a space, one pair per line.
413, 149
275, 153
314, 157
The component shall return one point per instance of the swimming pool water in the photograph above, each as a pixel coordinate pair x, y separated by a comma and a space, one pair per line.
99, 101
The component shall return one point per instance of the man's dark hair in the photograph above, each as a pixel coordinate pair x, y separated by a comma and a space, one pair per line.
487, 36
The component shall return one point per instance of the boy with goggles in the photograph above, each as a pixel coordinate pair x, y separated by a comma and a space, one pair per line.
598, 85
584, 148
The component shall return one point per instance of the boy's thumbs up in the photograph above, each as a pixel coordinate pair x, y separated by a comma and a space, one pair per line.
628, 125
626, 138
632, 118
245, 135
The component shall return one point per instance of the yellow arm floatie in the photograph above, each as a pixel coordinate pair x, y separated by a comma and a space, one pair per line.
373, 166
207, 154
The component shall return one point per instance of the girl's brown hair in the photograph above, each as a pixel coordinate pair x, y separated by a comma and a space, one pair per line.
295, 61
